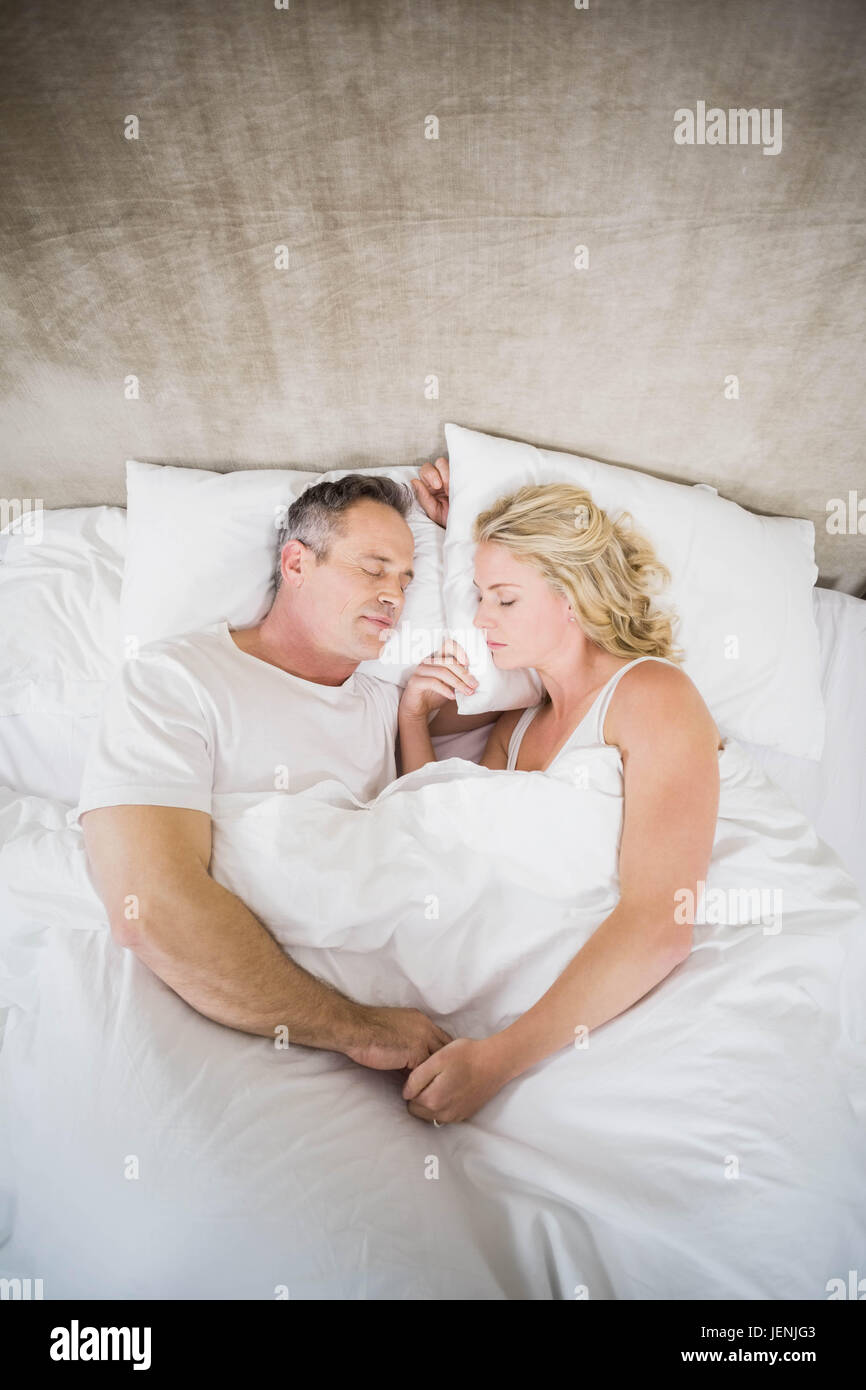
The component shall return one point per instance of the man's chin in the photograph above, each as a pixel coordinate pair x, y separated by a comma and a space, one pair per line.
371, 648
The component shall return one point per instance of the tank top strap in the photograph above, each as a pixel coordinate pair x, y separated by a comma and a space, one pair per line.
590, 730
605, 696
517, 735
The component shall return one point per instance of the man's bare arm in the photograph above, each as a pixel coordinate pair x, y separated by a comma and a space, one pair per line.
446, 720
149, 865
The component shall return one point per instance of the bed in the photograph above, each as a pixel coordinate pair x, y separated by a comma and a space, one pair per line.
412, 215
150, 1153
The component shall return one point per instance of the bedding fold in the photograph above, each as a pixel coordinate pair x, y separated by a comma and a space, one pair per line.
708, 1142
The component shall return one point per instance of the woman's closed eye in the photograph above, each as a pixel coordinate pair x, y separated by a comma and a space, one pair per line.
503, 603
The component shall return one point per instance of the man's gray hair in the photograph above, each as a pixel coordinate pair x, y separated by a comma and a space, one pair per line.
316, 515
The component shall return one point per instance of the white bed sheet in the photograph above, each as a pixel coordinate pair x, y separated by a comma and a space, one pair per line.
261, 1170
255, 1169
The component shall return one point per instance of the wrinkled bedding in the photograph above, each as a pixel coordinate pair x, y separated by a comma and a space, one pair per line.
707, 1143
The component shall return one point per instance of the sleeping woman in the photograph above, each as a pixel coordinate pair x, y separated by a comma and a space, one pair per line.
565, 590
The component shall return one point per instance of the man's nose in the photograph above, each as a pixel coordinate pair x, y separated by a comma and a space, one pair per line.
392, 595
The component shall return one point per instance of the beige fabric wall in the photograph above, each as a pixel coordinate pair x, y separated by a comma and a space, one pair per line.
411, 258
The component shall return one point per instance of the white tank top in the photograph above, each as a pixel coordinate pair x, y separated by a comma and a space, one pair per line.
590, 730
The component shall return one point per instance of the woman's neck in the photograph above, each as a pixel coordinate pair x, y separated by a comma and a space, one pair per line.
567, 686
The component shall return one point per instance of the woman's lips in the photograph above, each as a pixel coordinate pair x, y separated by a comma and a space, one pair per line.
495, 644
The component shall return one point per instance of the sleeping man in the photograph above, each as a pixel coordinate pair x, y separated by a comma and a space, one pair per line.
234, 710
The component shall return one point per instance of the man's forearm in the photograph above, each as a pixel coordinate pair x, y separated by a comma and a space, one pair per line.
204, 943
416, 745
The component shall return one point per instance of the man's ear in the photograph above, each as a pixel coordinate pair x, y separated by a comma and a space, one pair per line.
291, 562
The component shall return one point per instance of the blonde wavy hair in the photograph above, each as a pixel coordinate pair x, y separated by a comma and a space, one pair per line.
606, 569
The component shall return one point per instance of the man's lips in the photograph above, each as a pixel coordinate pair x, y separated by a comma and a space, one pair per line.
379, 622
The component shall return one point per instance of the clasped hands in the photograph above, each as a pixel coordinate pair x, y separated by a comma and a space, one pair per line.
454, 1083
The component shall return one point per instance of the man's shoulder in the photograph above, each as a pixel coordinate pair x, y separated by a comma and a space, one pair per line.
184, 660
181, 648
385, 694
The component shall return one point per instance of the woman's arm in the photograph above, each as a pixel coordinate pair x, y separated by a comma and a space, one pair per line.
669, 747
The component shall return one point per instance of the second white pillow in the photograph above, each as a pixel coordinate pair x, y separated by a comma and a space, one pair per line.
741, 585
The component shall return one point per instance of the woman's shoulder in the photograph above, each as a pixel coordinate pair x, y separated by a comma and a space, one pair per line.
655, 673
650, 695
653, 682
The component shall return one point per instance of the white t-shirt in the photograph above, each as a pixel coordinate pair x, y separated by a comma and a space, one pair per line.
194, 716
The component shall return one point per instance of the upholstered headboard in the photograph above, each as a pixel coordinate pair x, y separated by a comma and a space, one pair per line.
310, 232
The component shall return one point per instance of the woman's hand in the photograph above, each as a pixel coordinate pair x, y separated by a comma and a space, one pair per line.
440, 677
431, 490
457, 1080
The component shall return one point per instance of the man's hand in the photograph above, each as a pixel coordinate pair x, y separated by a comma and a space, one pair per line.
440, 677
396, 1039
431, 490
456, 1081
206, 945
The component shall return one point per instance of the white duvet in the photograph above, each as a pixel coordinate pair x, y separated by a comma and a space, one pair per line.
707, 1143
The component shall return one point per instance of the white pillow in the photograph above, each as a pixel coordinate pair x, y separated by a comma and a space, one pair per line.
202, 548
59, 615
734, 575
